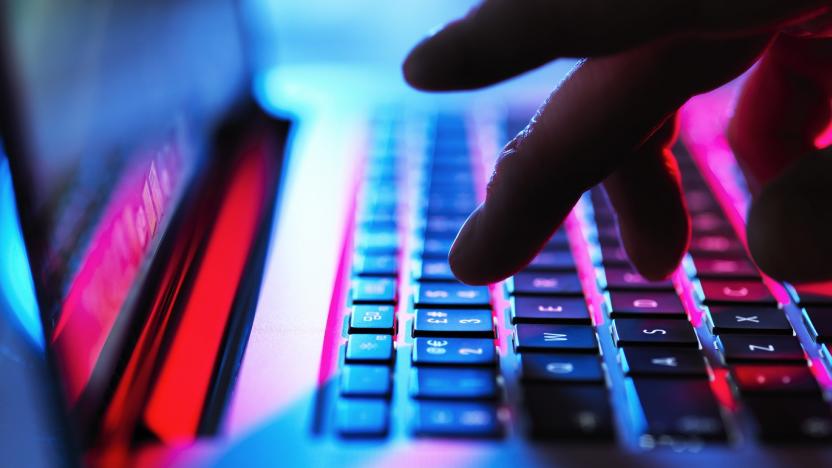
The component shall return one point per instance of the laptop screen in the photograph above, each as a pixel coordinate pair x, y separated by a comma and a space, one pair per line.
112, 105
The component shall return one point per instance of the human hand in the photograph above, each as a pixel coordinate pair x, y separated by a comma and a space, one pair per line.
612, 121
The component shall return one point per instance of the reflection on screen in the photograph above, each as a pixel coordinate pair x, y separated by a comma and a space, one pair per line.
117, 102
138, 207
17, 293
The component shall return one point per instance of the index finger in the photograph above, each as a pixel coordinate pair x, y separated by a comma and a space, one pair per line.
502, 38
600, 114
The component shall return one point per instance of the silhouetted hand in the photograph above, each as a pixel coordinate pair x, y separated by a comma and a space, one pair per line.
612, 121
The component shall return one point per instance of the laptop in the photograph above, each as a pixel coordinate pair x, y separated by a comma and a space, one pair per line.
238, 257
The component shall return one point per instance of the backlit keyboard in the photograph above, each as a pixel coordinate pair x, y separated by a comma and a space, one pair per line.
577, 345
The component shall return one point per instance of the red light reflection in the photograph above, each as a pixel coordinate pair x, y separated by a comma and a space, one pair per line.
111, 265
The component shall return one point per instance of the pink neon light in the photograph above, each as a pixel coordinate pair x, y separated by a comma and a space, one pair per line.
483, 139
116, 251
722, 389
411, 140
825, 138
684, 288
337, 310
586, 269
703, 120
175, 406
821, 372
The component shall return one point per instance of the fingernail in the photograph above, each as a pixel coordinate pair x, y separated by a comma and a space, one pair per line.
463, 251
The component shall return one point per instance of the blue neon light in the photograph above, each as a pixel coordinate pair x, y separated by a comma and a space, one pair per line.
17, 291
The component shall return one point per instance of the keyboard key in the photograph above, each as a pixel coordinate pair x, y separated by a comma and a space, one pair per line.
552, 260
454, 352
717, 245
662, 362
559, 241
454, 322
775, 379
535, 337
374, 291
736, 292
435, 270
725, 268
607, 235
377, 242
708, 222
615, 256
376, 220
362, 417
645, 303
814, 296
544, 283
605, 218
447, 383
372, 319
451, 295
819, 322
774, 348
684, 408
700, 200
526, 309
795, 418
653, 332
765, 320
443, 225
369, 348
564, 368
625, 279
457, 419
568, 411
436, 248
376, 265
365, 380
455, 204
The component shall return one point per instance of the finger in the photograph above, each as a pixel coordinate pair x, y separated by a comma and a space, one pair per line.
783, 107
502, 38
646, 193
606, 109
790, 223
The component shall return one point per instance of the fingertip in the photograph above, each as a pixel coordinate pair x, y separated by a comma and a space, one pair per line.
789, 224
417, 65
437, 62
468, 262
769, 245
656, 253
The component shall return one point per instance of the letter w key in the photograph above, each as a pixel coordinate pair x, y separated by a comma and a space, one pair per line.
576, 338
